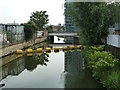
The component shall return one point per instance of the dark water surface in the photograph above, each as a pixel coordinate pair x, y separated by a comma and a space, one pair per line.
53, 70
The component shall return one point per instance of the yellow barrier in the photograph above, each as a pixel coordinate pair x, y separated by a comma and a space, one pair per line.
29, 50
56, 51
79, 47
39, 50
29, 54
72, 50
72, 47
56, 48
48, 49
65, 48
19, 51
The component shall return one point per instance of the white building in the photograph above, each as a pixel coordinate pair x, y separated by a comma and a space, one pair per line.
113, 38
3, 36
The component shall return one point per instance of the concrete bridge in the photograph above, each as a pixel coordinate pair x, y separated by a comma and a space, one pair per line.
63, 34
68, 36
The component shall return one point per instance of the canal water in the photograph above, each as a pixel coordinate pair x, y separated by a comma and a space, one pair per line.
48, 70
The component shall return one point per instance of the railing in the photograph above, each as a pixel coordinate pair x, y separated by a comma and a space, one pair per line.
16, 42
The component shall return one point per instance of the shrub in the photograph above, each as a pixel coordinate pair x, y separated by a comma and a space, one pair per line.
103, 65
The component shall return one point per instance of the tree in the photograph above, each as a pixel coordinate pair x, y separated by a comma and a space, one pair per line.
39, 19
29, 30
94, 19
49, 28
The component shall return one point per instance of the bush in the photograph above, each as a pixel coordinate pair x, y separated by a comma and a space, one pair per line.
103, 65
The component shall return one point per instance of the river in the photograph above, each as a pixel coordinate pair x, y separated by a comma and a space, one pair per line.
51, 70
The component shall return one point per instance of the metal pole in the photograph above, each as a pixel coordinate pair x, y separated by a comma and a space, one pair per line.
3, 35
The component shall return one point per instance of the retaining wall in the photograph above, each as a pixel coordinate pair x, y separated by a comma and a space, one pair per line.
8, 50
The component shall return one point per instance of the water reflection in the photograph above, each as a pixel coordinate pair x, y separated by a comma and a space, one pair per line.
73, 68
75, 74
26, 62
13, 68
35, 74
34, 60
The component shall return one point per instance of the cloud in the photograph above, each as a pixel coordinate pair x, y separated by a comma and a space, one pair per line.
20, 10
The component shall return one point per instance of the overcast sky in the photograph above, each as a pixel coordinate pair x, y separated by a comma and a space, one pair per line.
20, 10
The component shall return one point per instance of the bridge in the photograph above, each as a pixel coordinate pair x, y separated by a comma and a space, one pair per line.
66, 34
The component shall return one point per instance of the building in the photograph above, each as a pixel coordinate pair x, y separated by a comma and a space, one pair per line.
69, 26
42, 33
3, 36
113, 40
10, 33
14, 32
58, 28
54, 28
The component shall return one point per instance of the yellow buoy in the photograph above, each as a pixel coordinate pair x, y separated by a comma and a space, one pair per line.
19, 51
72, 47
64, 49
29, 54
48, 49
39, 50
72, 50
29, 50
78, 47
56, 49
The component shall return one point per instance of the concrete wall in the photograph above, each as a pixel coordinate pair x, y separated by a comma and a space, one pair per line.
13, 48
12, 57
113, 40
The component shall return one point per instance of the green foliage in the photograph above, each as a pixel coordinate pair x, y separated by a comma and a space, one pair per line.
112, 80
29, 30
33, 61
103, 65
94, 19
50, 28
39, 19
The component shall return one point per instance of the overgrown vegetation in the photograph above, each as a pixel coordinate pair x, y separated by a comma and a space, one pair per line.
104, 66
37, 20
94, 19
29, 30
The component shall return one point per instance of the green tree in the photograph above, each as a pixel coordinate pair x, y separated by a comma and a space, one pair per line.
39, 19
94, 19
49, 28
29, 30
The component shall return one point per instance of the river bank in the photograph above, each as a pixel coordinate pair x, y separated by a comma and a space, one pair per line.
11, 49
65, 69
103, 65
